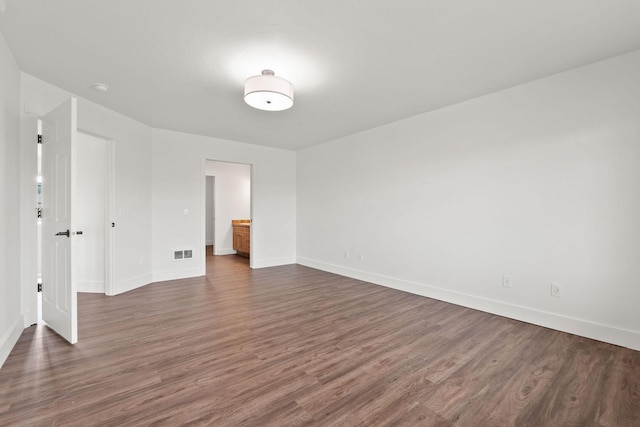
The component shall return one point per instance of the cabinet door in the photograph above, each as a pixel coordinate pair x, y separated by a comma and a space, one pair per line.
245, 241
241, 241
236, 239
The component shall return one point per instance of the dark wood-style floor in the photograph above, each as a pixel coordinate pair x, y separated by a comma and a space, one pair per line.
295, 346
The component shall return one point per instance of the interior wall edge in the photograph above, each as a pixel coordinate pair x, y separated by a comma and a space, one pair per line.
131, 283
597, 331
10, 338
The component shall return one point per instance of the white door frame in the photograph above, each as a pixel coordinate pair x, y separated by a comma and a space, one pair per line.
211, 190
109, 234
32, 300
203, 204
110, 214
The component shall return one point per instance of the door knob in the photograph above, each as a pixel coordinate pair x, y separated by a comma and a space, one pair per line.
63, 233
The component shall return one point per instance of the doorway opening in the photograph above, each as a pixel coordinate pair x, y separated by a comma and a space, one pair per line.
227, 199
92, 209
92, 213
210, 218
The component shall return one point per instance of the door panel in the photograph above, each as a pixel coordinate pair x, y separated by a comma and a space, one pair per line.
59, 296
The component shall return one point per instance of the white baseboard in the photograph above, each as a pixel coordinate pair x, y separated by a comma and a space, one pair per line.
131, 284
29, 318
176, 274
601, 332
209, 242
224, 251
10, 338
272, 262
91, 287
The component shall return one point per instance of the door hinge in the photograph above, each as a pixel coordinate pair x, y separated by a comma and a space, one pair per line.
39, 139
39, 287
39, 212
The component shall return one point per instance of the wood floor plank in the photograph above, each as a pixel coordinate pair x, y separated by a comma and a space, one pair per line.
294, 346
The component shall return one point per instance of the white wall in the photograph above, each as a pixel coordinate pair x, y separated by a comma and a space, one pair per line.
11, 320
178, 184
90, 214
232, 200
540, 182
132, 170
210, 211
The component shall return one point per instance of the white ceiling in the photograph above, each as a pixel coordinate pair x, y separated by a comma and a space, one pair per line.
355, 64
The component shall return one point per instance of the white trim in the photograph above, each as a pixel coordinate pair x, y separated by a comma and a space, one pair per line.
95, 287
10, 338
186, 273
203, 209
225, 251
131, 284
252, 229
598, 331
110, 215
202, 261
110, 218
272, 262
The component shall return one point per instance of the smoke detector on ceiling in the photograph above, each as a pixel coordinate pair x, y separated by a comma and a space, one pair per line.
101, 87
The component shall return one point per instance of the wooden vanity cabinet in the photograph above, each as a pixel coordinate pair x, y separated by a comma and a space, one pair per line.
241, 237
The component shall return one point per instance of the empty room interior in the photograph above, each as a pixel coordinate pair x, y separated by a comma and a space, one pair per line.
337, 213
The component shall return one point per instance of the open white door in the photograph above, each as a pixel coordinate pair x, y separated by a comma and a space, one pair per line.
59, 292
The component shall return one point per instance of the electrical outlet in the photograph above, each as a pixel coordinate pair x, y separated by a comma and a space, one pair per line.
506, 281
346, 255
360, 257
557, 290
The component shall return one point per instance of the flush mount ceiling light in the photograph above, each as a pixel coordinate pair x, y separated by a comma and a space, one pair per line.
268, 92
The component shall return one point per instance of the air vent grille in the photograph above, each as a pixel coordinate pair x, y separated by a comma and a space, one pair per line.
182, 254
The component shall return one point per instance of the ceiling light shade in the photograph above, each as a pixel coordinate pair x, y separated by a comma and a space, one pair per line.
268, 92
